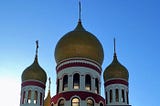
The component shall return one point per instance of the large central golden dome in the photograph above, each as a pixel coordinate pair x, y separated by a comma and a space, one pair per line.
79, 43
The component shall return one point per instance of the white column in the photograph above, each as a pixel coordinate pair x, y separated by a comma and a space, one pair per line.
82, 82
60, 85
120, 95
92, 84
70, 82
114, 95
125, 96
99, 85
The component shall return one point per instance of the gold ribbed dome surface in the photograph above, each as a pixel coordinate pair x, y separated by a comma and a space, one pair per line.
47, 101
79, 43
34, 72
115, 70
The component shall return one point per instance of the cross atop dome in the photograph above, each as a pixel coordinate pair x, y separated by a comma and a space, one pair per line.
37, 46
80, 12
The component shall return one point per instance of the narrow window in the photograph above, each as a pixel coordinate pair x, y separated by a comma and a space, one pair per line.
90, 102
41, 99
123, 97
117, 95
65, 82
75, 102
61, 102
58, 86
110, 94
52, 104
101, 104
35, 97
127, 97
76, 81
96, 86
88, 82
106, 97
29, 97
23, 97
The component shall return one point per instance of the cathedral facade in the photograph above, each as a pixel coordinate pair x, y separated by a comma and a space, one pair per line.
79, 57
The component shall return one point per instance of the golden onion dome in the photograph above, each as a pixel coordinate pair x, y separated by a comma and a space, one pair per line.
47, 101
115, 70
79, 43
34, 72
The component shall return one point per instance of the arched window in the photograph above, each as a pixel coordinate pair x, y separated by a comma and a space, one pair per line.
65, 82
90, 102
117, 95
106, 97
96, 86
111, 98
23, 97
76, 81
61, 102
75, 102
29, 97
88, 82
123, 97
41, 98
52, 104
127, 97
101, 104
58, 86
35, 97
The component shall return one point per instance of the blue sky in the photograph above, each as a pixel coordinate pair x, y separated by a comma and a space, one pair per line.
134, 23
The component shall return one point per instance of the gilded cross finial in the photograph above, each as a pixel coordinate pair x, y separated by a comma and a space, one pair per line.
114, 46
49, 83
37, 46
80, 10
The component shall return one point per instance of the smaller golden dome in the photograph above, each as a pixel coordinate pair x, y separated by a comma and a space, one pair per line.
34, 72
79, 43
47, 101
115, 70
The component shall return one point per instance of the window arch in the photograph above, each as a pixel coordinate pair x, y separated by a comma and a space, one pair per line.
61, 102
88, 82
35, 97
75, 102
111, 98
90, 102
65, 82
76, 81
29, 97
96, 85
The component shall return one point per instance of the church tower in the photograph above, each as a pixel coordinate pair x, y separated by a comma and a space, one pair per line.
116, 83
79, 56
33, 84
